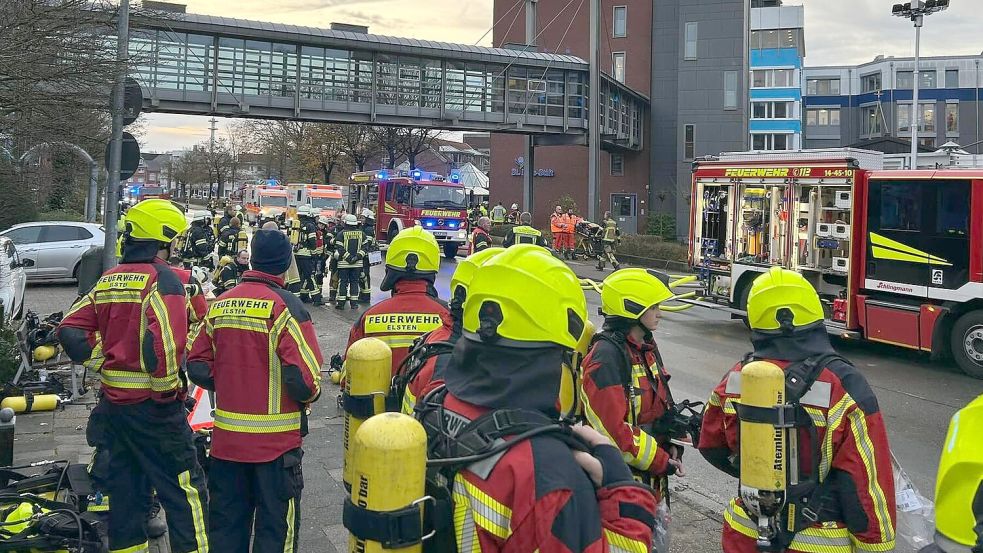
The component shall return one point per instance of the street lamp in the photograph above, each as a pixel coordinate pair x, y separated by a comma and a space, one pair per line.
916, 10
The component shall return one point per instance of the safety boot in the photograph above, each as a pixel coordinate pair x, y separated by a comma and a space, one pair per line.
354, 304
339, 305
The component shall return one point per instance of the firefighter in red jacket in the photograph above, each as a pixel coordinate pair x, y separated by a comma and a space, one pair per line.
424, 366
139, 310
523, 317
480, 239
623, 357
258, 352
412, 262
852, 506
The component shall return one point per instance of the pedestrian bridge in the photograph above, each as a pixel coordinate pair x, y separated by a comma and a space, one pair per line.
207, 65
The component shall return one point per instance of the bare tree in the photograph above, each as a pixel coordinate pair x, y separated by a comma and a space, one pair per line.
357, 144
390, 141
417, 141
323, 149
190, 169
238, 141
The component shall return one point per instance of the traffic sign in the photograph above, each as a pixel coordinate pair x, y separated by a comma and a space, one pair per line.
132, 101
130, 159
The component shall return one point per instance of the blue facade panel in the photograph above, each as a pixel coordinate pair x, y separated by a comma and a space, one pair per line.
776, 93
962, 94
775, 126
776, 57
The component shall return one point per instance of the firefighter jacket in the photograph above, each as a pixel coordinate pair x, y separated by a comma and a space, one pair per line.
258, 352
412, 311
232, 241
611, 231
139, 309
349, 247
625, 391
497, 214
524, 234
228, 277
558, 223
535, 497
223, 223
855, 462
199, 242
307, 238
480, 240
428, 378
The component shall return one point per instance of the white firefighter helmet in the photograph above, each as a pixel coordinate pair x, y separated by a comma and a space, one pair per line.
351, 220
324, 220
515, 206
202, 215
368, 213
304, 210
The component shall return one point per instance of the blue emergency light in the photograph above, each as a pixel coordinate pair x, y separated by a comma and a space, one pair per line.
455, 177
417, 174
381, 175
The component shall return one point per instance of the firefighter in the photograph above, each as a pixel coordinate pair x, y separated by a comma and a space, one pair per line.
959, 485
558, 228
230, 272
625, 386
497, 214
233, 239
427, 359
846, 503
412, 262
330, 261
140, 419
610, 239
524, 233
348, 253
483, 209
524, 315
228, 214
371, 245
513, 216
255, 479
306, 256
199, 242
572, 221
480, 239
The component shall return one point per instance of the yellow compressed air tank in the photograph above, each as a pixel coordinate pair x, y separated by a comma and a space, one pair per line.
570, 403
763, 446
30, 403
368, 370
43, 353
389, 455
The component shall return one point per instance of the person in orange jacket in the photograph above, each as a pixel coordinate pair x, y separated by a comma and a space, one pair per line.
843, 449
571, 242
558, 228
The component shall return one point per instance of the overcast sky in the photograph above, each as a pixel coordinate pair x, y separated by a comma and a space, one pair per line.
838, 32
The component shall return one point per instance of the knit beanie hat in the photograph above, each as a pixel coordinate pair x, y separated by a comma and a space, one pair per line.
271, 252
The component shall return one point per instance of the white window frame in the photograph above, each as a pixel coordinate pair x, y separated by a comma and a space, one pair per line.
945, 117
728, 91
921, 112
769, 138
687, 54
770, 109
614, 65
614, 22
878, 111
829, 116
621, 157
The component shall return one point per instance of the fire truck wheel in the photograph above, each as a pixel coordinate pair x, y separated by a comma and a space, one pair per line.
967, 343
450, 250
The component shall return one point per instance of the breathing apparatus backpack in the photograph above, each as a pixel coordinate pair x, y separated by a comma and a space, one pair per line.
47, 511
419, 353
808, 500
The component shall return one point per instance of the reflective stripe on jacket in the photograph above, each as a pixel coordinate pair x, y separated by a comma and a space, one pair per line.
140, 312
258, 351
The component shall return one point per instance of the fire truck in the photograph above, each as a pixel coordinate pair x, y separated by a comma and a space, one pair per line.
403, 199
324, 199
264, 202
896, 256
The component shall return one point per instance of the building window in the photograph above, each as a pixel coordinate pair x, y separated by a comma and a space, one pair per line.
771, 110
620, 25
618, 66
772, 39
904, 80
823, 117
952, 118
871, 83
928, 79
772, 78
927, 119
823, 87
617, 165
689, 141
870, 120
771, 142
952, 78
730, 89
691, 41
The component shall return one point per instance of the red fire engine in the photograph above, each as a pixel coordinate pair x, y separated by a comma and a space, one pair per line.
896, 256
403, 199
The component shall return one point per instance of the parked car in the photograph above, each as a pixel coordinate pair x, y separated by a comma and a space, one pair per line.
12, 280
55, 247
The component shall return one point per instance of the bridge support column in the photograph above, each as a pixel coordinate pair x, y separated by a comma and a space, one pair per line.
594, 114
528, 171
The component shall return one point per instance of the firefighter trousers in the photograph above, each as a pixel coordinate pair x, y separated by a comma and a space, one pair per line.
365, 283
348, 283
262, 499
310, 289
333, 279
607, 255
150, 447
